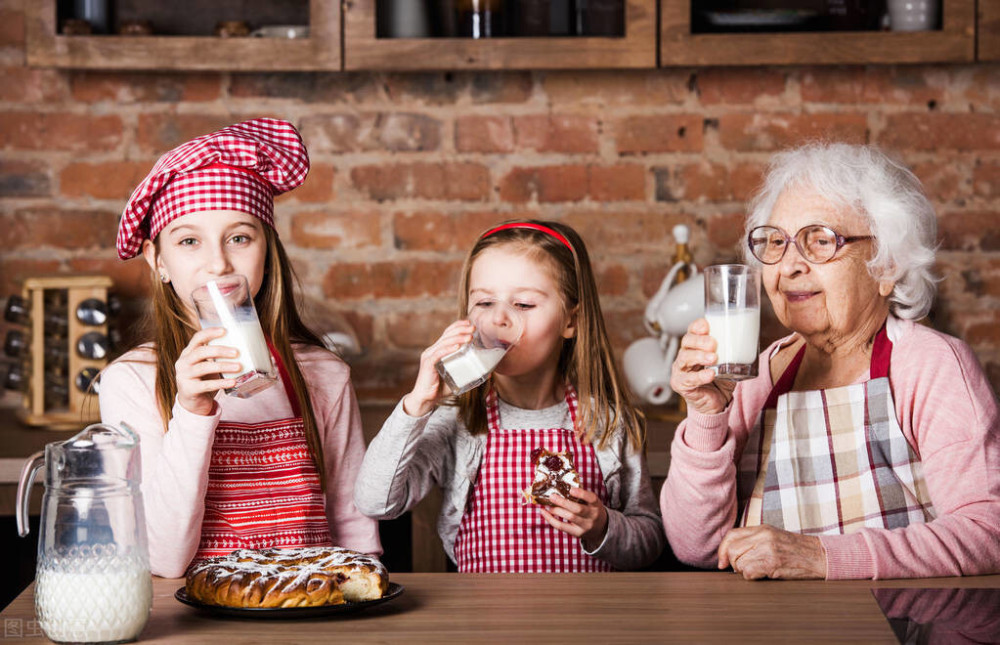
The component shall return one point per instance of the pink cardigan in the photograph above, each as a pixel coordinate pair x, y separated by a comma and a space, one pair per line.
948, 413
175, 464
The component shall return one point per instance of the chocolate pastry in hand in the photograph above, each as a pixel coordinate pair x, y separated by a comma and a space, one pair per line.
554, 473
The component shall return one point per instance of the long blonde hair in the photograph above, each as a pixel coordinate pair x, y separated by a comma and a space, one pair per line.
169, 329
586, 360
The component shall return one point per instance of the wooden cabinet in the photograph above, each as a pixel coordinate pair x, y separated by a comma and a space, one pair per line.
47, 48
344, 37
954, 42
988, 30
363, 49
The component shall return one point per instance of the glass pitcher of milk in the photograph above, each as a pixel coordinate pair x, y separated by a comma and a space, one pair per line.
92, 582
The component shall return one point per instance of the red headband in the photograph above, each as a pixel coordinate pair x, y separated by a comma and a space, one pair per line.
537, 227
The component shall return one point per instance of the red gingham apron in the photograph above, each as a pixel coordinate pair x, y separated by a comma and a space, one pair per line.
834, 460
499, 533
263, 487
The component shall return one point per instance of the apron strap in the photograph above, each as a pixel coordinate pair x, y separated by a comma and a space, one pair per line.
881, 351
285, 381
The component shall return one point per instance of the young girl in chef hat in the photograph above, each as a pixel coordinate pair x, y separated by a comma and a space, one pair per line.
557, 389
219, 472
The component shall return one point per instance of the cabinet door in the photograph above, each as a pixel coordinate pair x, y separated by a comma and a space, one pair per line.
47, 47
953, 42
364, 49
988, 30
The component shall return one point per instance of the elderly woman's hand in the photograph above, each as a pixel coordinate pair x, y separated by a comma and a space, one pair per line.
766, 552
691, 380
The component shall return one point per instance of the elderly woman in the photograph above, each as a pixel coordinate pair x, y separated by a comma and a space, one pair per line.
869, 445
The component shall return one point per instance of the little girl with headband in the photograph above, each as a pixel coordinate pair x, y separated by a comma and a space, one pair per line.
558, 389
219, 472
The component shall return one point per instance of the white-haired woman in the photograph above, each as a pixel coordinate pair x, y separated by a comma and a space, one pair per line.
869, 445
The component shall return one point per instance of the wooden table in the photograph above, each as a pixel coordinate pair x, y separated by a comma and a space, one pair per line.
710, 607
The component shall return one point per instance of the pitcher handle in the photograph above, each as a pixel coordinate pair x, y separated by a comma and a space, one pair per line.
24, 484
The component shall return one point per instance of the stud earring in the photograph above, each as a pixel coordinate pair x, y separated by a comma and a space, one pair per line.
164, 278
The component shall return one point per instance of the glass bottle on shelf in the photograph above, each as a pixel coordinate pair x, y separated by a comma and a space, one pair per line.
480, 18
15, 343
17, 310
93, 345
600, 18
533, 18
92, 312
84, 379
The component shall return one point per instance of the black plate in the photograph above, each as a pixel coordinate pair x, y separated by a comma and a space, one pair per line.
395, 590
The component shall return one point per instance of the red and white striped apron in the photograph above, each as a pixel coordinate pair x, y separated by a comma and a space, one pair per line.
832, 461
499, 533
263, 486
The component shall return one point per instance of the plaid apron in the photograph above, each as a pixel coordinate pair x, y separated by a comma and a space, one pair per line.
499, 533
263, 487
832, 461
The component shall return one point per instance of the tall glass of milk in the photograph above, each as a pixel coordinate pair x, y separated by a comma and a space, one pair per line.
732, 308
227, 302
498, 327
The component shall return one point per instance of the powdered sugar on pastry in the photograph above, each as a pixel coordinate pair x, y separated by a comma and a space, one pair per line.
554, 473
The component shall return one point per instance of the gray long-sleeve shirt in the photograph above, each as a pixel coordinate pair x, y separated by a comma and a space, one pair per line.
410, 454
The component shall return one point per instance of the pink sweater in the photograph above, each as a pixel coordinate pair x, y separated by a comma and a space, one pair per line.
175, 464
948, 413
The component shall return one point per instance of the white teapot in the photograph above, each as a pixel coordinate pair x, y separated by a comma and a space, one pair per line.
647, 361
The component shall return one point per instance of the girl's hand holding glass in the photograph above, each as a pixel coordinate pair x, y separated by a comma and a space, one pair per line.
198, 371
587, 519
429, 388
690, 376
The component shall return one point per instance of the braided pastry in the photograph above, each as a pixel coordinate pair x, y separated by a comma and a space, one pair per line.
296, 577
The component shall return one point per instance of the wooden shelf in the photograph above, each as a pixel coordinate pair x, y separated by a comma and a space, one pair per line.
955, 42
364, 51
988, 30
321, 51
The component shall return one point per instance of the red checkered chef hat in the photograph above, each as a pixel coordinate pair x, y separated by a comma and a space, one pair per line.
241, 167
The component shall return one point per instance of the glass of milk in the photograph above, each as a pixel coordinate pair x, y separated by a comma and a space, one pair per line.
498, 328
732, 308
227, 302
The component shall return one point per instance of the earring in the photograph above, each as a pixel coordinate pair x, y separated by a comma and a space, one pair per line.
164, 278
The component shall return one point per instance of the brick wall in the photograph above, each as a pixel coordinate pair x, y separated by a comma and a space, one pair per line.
407, 169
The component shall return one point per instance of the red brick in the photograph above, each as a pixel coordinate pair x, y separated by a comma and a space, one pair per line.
417, 330
318, 186
943, 179
623, 327
24, 179
29, 85
383, 376
879, 84
623, 182
103, 180
160, 132
774, 131
484, 134
131, 278
725, 232
13, 272
362, 324
424, 180
986, 179
351, 230
402, 279
557, 133
745, 179
612, 279
736, 86
618, 87
967, 278
984, 334
607, 233
11, 28
428, 88
981, 88
51, 227
308, 87
388, 131
969, 231
124, 87
941, 131
436, 231
660, 133
546, 183
60, 131
702, 181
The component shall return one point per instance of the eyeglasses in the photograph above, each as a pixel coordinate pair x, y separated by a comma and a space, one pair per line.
817, 244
